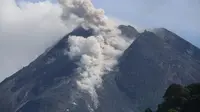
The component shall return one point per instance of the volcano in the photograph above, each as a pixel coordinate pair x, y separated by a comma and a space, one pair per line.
151, 63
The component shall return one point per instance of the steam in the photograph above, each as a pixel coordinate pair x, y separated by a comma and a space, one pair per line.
97, 54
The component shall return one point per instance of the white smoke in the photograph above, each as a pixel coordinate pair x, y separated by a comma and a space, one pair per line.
98, 54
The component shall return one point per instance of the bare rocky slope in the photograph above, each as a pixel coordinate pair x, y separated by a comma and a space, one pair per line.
146, 69
153, 62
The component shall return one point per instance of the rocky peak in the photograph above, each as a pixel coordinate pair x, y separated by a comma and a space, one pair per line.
128, 31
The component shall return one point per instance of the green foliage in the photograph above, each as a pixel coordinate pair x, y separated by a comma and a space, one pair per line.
194, 89
148, 110
178, 98
172, 110
176, 90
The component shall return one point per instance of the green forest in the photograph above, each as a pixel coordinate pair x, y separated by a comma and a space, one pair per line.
178, 98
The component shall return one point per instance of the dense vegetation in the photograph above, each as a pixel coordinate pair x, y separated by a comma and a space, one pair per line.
178, 98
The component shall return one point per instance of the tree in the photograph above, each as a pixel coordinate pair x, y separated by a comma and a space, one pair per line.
176, 90
148, 110
172, 110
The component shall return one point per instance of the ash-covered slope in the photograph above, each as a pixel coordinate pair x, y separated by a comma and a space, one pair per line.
71, 75
49, 84
146, 69
23, 92
153, 62
80, 73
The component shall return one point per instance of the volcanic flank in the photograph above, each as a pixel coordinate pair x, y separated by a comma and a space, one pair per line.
99, 68
97, 54
85, 55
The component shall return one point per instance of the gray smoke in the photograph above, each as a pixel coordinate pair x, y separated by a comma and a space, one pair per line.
98, 54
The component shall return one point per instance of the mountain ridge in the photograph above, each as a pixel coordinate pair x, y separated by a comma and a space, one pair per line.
151, 64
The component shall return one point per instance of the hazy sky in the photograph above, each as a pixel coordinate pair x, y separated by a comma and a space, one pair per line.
180, 16
26, 32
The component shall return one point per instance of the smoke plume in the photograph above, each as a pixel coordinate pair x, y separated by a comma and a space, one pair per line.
98, 54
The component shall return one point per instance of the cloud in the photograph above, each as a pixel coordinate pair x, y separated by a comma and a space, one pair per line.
26, 31
97, 54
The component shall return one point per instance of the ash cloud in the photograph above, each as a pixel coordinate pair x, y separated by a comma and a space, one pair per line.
97, 54
26, 31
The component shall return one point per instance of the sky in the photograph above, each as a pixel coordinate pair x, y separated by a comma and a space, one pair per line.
179, 16
27, 31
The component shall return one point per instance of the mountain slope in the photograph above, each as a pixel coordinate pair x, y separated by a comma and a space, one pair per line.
155, 61
48, 84
49, 70
177, 42
145, 70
